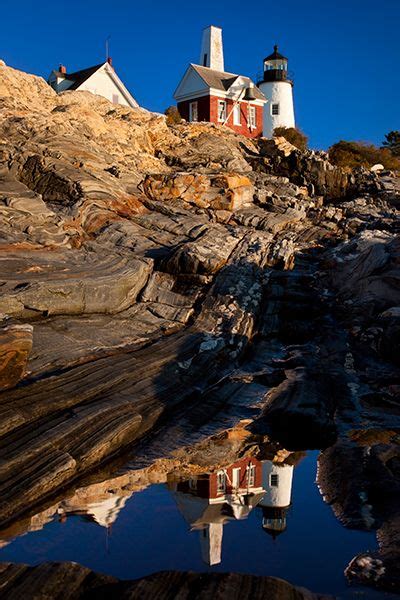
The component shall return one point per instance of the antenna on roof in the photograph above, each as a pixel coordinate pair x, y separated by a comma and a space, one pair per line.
108, 47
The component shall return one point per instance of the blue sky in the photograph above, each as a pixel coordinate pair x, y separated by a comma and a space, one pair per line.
344, 54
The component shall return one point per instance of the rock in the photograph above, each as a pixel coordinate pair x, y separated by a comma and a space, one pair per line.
206, 254
222, 192
376, 168
159, 280
48, 283
304, 167
368, 499
72, 581
15, 347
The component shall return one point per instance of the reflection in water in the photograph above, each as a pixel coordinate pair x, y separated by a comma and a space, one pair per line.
211, 500
103, 512
277, 481
227, 508
100, 503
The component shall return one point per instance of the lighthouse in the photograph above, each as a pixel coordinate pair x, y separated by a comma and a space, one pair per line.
277, 87
277, 481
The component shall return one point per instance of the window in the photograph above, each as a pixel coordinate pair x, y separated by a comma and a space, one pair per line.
115, 98
251, 475
221, 111
236, 477
193, 111
252, 117
274, 479
205, 60
193, 484
275, 109
236, 114
221, 482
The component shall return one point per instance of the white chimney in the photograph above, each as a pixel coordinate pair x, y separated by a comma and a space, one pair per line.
212, 51
211, 543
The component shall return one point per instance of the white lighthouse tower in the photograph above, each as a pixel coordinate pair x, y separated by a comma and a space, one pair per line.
277, 482
277, 87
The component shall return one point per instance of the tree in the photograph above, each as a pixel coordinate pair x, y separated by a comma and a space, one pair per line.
173, 116
361, 154
392, 142
292, 135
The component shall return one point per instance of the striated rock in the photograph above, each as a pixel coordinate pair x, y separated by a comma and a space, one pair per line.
15, 347
361, 482
51, 283
72, 581
157, 278
305, 168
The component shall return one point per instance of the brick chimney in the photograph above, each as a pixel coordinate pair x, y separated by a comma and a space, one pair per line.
109, 60
62, 69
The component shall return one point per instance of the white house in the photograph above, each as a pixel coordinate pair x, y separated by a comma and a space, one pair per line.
100, 79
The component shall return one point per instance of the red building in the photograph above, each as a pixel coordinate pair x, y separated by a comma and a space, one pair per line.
208, 93
242, 477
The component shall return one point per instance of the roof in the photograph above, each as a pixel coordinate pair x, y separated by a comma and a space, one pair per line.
221, 80
275, 55
79, 77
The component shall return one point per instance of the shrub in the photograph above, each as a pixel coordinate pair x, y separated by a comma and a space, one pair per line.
292, 135
361, 154
173, 116
392, 142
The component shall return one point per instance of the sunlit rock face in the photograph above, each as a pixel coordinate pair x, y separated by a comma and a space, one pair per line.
156, 274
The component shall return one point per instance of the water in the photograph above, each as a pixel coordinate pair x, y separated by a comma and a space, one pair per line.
152, 530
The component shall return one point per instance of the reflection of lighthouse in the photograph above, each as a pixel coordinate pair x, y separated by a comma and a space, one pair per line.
277, 481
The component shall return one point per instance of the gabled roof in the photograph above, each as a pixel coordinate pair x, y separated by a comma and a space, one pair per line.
221, 80
79, 77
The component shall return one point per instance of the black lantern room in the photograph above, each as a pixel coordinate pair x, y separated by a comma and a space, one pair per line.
276, 67
274, 520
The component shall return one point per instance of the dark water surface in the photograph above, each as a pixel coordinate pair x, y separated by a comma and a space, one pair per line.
149, 533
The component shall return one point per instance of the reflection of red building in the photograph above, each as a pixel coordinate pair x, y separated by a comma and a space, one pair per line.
243, 476
210, 500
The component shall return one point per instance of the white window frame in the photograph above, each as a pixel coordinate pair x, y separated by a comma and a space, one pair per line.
252, 117
236, 477
237, 109
221, 111
275, 106
251, 475
193, 484
194, 112
221, 482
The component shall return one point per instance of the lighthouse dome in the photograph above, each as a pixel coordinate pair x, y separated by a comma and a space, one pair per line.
274, 521
275, 55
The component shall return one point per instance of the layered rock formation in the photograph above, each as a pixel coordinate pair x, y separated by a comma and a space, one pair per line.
71, 581
151, 272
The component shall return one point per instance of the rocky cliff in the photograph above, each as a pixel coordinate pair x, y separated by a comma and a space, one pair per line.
150, 272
